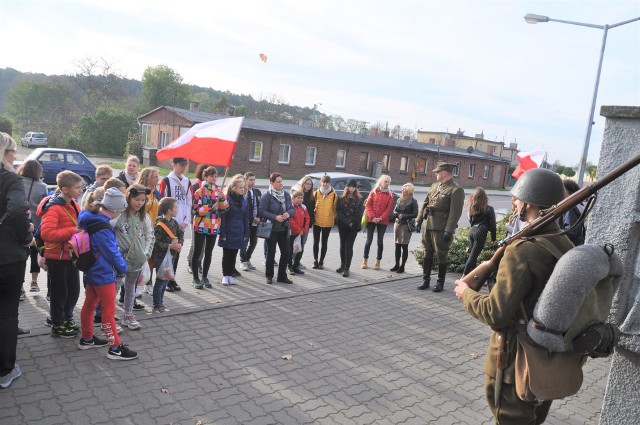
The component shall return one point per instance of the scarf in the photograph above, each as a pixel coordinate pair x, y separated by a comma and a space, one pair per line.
325, 192
131, 179
403, 203
237, 199
278, 195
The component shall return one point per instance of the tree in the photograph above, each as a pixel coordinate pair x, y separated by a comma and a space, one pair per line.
591, 171
569, 172
106, 131
99, 84
162, 85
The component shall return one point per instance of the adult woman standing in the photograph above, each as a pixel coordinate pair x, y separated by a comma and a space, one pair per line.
349, 212
326, 199
482, 218
208, 203
305, 185
149, 178
378, 208
234, 228
276, 206
14, 225
36, 191
405, 212
130, 174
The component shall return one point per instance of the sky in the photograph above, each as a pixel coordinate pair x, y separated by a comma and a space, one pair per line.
432, 65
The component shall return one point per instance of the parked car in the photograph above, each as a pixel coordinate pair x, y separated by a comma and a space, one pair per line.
339, 181
34, 138
55, 160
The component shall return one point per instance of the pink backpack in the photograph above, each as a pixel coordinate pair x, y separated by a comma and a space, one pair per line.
80, 244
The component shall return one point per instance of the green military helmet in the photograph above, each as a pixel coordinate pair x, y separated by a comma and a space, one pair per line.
540, 187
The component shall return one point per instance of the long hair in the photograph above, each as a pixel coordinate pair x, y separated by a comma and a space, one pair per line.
133, 191
478, 202
30, 169
145, 176
93, 201
301, 182
382, 178
235, 181
6, 143
346, 194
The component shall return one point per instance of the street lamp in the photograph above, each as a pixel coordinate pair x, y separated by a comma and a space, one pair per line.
534, 19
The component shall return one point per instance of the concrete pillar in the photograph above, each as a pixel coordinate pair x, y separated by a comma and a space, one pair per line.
616, 219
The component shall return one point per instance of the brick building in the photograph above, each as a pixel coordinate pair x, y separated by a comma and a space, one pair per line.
295, 150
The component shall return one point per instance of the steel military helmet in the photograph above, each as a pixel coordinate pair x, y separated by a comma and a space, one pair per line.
540, 187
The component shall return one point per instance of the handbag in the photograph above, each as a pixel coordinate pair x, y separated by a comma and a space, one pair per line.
412, 225
263, 229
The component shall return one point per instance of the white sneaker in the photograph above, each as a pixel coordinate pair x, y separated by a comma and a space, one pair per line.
131, 323
148, 289
245, 266
119, 328
251, 266
225, 280
230, 280
138, 293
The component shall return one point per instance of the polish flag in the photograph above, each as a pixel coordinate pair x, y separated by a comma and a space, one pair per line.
211, 142
529, 160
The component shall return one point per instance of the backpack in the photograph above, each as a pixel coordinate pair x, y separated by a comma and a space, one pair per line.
80, 247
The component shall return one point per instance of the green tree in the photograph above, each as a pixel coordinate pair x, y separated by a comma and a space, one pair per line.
6, 126
106, 131
591, 171
162, 85
569, 172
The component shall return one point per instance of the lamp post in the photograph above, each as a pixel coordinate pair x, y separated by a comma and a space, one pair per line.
534, 19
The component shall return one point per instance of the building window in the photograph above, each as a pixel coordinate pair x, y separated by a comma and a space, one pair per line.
341, 159
310, 158
485, 172
456, 169
364, 160
164, 139
472, 170
146, 134
184, 130
386, 162
404, 164
255, 151
285, 154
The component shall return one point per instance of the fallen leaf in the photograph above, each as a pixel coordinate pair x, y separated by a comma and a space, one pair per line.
311, 344
311, 301
287, 356
474, 355
199, 423
217, 301
164, 390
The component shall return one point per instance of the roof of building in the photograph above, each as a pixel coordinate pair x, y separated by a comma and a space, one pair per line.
197, 117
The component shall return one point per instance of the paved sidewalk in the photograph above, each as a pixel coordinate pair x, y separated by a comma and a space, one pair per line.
367, 349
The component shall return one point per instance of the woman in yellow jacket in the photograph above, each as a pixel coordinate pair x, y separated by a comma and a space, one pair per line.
325, 217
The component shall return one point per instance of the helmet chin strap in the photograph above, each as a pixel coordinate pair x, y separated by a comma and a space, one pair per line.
523, 212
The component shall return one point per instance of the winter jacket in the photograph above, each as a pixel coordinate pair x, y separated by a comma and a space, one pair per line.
300, 221
349, 213
308, 201
206, 218
163, 240
379, 204
59, 222
135, 239
486, 219
35, 191
182, 191
234, 227
270, 208
153, 200
325, 208
105, 248
409, 212
89, 190
14, 221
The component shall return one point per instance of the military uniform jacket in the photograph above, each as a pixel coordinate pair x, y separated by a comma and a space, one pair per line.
445, 201
523, 273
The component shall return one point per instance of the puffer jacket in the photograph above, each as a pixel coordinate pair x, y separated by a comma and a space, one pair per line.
379, 204
59, 223
300, 221
105, 248
14, 221
234, 227
134, 251
325, 212
206, 218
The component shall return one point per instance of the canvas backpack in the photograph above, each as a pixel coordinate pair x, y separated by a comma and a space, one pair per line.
80, 246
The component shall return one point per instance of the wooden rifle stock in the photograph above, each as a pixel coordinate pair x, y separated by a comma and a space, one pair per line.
476, 278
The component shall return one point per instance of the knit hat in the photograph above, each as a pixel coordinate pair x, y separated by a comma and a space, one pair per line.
352, 183
114, 200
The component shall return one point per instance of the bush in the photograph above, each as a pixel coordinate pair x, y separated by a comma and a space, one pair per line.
72, 141
134, 145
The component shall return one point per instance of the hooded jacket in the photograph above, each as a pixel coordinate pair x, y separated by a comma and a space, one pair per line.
135, 239
59, 222
182, 190
105, 248
379, 204
206, 218
234, 227
163, 240
300, 221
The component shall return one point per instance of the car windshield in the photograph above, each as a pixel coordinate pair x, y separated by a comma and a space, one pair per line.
38, 135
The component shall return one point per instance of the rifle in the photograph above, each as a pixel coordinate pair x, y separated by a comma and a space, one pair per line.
479, 275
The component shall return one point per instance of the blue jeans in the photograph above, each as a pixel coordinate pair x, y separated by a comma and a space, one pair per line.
158, 292
374, 227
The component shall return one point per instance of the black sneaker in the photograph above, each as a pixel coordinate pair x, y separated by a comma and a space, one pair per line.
71, 324
121, 352
63, 332
97, 321
169, 287
285, 280
137, 306
236, 273
94, 342
176, 287
48, 322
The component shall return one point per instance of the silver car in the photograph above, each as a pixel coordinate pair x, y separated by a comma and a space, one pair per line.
34, 138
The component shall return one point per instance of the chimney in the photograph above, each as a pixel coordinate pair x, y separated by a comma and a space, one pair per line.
385, 133
513, 146
374, 131
193, 106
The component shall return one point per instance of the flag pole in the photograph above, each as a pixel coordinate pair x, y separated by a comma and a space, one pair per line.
226, 170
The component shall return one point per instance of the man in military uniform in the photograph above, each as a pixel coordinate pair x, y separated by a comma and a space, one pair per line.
523, 273
441, 210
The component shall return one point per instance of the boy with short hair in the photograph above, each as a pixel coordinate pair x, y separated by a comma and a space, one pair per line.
252, 195
299, 226
103, 173
59, 222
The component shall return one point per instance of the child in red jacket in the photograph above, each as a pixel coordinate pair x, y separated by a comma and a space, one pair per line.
299, 227
59, 222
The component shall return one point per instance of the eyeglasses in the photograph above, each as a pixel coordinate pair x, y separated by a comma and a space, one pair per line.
10, 150
136, 192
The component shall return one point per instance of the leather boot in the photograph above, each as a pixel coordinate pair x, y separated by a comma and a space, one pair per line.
364, 263
442, 273
426, 274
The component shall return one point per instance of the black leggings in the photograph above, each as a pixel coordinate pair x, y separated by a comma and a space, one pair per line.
347, 239
316, 241
404, 249
206, 241
477, 237
229, 261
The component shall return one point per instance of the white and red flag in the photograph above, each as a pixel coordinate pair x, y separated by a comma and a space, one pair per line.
529, 160
211, 142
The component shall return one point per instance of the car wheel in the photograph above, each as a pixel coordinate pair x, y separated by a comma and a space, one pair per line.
86, 183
